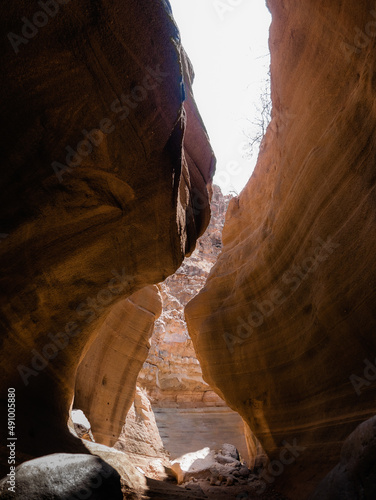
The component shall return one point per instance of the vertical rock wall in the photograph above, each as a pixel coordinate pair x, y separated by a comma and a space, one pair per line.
286, 322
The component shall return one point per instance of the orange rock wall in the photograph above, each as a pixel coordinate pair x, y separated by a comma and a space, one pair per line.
287, 316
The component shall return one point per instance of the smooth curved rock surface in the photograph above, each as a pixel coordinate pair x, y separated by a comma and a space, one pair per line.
122, 216
63, 476
287, 315
106, 378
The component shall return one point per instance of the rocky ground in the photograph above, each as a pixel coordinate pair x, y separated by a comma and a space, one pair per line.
203, 490
251, 487
147, 473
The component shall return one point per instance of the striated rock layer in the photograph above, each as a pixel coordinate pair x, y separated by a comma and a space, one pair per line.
106, 378
287, 318
105, 181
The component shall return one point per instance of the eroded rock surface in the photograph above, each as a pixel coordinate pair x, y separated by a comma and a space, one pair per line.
287, 315
106, 174
140, 438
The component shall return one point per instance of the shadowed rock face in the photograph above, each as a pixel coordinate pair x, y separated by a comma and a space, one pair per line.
287, 315
355, 475
105, 182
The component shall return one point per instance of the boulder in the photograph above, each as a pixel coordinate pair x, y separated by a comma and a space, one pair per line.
208, 464
63, 476
354, 477
229, 450
195, 464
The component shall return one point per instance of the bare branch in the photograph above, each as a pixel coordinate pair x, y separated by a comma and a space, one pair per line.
260, 124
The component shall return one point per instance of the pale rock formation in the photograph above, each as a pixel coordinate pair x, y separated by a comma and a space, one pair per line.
106, 377
140, 439
222, 467
287, 315
80, 425
196, 464
105, 181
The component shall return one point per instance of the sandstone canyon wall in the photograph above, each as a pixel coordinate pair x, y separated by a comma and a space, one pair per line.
106, 378
105, 181
285, 326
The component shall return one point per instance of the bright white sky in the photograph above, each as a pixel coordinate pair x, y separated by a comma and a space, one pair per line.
227, 42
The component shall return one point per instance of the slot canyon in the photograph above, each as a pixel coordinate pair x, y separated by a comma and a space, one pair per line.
161, 339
